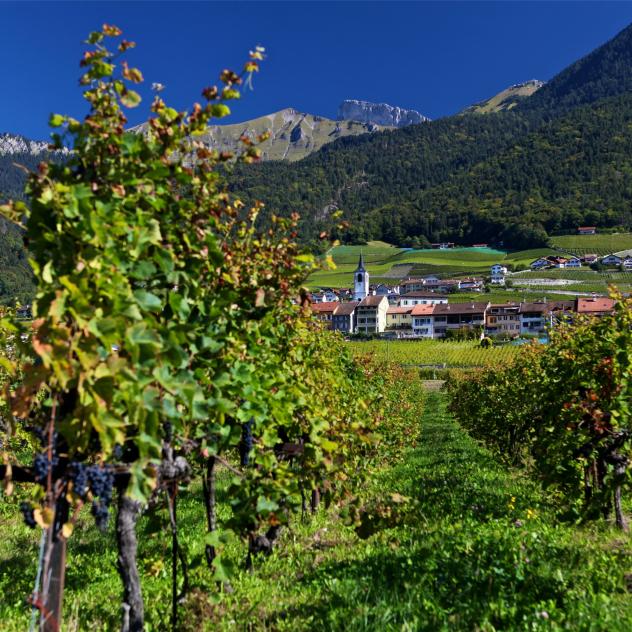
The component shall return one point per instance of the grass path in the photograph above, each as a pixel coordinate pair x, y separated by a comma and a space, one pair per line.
476, 547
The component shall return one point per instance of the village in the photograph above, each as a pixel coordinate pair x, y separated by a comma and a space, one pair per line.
419, 307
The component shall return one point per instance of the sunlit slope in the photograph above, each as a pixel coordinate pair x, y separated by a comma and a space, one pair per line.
293, 134
506, 99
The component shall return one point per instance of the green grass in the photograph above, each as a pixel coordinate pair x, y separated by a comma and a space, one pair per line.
597, 244
474, 546
453, 353
495, 296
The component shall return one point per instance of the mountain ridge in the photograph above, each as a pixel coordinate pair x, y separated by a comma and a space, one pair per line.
505, 99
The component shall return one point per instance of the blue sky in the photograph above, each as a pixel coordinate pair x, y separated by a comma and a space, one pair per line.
436, 57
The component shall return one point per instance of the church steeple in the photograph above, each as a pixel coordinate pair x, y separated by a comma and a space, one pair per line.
361, 262
360, 280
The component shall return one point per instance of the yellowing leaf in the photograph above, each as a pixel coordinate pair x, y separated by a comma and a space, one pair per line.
67, 530
44, 517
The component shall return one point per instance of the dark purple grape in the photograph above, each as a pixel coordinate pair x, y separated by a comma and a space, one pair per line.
27, 513
78, 474
101, 513
246, 443
41, 466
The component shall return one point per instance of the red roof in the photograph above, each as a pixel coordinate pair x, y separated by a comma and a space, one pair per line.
398, 310
328, 306
422, 310
587, 228
346, 309
595, 305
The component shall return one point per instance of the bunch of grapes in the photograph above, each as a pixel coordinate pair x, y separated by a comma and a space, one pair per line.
78, 474
101, 479
27, 513
246, 443
42, 465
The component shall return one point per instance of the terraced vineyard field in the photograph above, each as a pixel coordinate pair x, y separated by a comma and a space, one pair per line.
585, 280
495, 296
452, 353
597, 244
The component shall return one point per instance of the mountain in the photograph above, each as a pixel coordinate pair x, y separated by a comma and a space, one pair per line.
378, 114
506, 99
556, 159
606, 72
294, 134
561, 157
18, 156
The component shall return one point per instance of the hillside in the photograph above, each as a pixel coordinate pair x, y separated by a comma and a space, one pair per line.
506, 99
557, 159
606, 72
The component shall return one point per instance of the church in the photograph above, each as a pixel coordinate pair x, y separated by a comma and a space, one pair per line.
360, 281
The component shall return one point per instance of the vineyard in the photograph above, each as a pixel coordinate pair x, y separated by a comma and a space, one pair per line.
183, 448
593, 244
160, 359
436, 352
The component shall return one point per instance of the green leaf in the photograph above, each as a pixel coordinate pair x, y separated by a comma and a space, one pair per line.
141, 335
220, 110
224, 569
265, 506
147, 301
56, 120
47, 276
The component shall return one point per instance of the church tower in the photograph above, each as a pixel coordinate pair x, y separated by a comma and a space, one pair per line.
360, 281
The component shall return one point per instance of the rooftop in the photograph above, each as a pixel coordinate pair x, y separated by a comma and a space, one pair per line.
460, 308
346, 309
328, 306
422, 310
595, 304
538, 306
372, 301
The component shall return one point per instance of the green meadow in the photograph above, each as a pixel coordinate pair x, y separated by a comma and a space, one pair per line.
387, 263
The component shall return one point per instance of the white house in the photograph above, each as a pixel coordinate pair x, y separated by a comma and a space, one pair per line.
539, 263
534, 317
421, 298
422, 321
612, 260
627, 264
471, 285
574, 262
498, 273
371, 314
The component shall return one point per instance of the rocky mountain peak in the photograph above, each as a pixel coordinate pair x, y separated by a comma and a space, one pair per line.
378, 114
16, 144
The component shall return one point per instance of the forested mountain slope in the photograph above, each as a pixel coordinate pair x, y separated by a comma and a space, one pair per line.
606, 72
558, 158
366, 173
